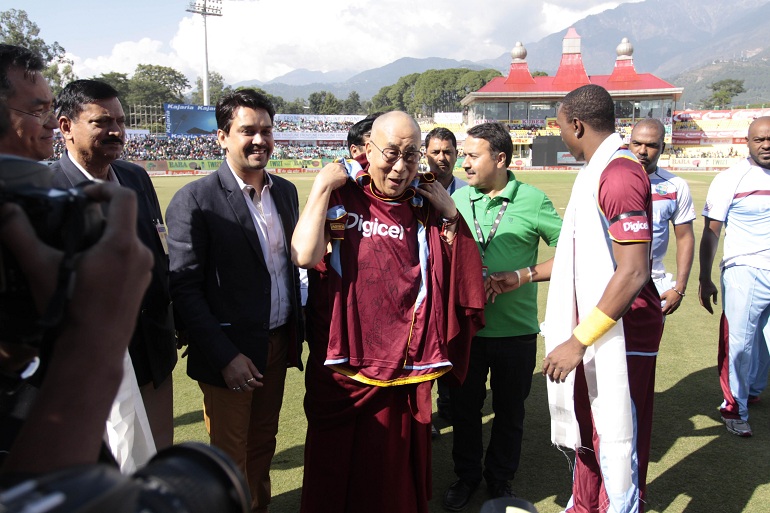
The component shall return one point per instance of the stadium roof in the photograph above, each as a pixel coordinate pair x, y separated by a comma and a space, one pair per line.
623, 82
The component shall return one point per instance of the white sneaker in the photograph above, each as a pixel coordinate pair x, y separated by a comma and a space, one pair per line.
737, 427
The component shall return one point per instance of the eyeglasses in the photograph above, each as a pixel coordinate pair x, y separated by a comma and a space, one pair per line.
391, 155
42, 117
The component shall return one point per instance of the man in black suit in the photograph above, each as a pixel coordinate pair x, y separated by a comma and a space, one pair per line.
92, 123
236, 289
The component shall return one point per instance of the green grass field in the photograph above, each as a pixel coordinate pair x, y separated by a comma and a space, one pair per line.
696, 466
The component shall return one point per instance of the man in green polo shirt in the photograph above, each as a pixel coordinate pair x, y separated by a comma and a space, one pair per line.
508, 219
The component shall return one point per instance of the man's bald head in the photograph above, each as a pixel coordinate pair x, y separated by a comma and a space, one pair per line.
759, 141
758, 124
395, 120
393, 152
652, 124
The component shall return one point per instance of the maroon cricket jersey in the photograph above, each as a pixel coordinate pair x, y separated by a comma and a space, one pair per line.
626, 201
384, 327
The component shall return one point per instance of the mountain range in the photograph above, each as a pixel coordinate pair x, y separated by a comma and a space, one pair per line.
690, 43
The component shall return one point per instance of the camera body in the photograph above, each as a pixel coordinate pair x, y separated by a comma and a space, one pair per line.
184, 478
64, 219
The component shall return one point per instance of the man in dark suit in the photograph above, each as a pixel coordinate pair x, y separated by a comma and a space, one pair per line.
236, 289
92, 123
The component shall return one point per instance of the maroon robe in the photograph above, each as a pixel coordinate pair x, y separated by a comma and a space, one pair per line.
368, 448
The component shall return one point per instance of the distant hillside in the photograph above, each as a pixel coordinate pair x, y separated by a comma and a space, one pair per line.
668, 37
368, 83
305, 76
677, 39
755, 72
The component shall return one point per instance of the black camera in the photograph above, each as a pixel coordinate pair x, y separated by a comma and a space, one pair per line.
185, 478
64, 219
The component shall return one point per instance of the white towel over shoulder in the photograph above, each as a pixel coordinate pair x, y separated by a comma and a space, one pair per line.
583, 266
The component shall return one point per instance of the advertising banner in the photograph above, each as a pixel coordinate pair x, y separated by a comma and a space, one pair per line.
153, 167
448, 118
193, 165
320, 118
310, 136
296, 164
189, 120
704, 163
720, 115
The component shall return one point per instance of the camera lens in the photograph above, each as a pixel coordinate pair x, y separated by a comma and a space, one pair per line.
192, 478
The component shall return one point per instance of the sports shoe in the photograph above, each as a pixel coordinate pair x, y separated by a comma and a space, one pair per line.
737, 427
753, 399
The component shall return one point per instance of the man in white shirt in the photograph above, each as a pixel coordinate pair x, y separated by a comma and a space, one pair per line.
738, 199
671, 203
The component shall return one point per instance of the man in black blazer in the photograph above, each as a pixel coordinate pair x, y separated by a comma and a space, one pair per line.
235, 288
92, 123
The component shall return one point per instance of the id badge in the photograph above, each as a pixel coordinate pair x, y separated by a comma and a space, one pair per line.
484, 271
162, 235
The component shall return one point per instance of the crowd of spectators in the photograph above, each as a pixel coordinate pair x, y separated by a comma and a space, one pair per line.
150, 147
699, 153
525, 126
176, 148
205, 147
686, 125
311, 125
295, 151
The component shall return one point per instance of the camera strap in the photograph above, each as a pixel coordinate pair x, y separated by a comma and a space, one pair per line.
65, 284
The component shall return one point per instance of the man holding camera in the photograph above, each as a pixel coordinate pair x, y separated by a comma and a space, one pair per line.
92, 123
64, 425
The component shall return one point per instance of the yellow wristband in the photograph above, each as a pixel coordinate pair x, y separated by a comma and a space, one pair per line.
591, 329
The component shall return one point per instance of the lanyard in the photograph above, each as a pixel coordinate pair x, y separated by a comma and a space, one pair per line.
492, 231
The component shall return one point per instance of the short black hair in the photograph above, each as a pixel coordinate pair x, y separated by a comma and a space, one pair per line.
592, 105
498, 137
442, 134
362, 129
12, 56
248, 98
79, 93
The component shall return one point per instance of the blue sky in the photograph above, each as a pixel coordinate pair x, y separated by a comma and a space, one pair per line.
262, 39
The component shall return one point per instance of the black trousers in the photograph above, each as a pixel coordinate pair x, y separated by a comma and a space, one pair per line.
511, 361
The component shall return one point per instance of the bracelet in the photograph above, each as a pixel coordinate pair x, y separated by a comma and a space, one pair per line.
530, 273
681, 294
593, 327
451, 220
518, 276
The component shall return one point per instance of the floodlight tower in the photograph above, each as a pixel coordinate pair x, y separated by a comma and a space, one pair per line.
205, 8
